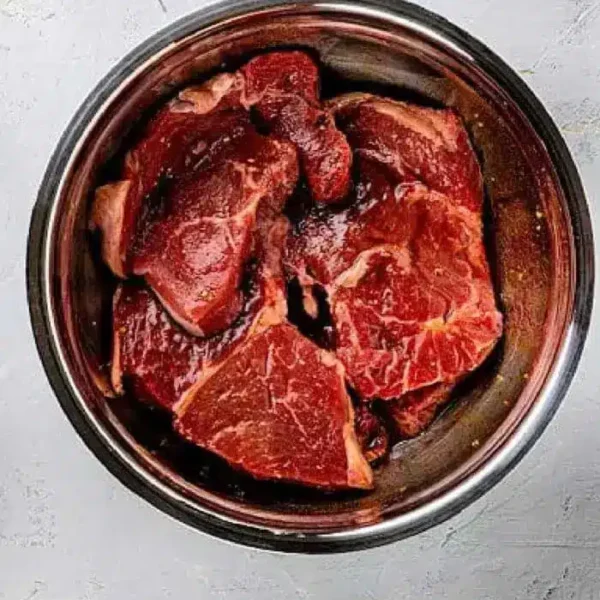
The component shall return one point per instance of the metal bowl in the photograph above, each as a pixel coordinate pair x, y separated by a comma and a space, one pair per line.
539, 240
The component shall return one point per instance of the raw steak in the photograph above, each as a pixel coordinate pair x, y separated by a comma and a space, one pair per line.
416, 143
193, 254
397, 279
326, 241
159, 359
202, 146
415, 411
168, 145
404, 267
410, 317
284, 89
278, 409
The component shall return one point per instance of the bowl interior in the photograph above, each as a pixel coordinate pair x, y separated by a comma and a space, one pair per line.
529, 240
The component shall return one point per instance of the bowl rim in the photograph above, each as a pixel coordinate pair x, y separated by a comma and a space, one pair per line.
448, 504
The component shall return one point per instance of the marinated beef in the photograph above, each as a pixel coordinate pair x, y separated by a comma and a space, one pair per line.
394, 283
284, 89
204, 141
159, 359
404, 267
278, 409
416, 143
372, 433
411, 414
167, 147
193, 254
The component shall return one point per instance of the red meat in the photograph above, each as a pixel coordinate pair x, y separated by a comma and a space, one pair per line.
278, 409
401, 271
404, 267
160, 359
415, 411
167, 147
193, 255
284, 89
416, 143
372, 434
219, 173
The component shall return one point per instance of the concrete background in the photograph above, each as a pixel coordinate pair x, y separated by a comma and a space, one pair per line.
69, 530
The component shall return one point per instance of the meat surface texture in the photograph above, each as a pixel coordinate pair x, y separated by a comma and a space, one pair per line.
164, 150
372, 434
278, 409
160, 360
284, 89
193, 254
405, 266
416, 143
213, 171
414, 412
282, 406
155, 355
421, 312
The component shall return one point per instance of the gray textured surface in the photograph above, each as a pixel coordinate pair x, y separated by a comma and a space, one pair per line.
69, 530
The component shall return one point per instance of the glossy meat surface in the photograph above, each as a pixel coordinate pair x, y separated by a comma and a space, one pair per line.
165, 149
416, 143
372, 434
284, 89
384, 269
193, 255
153, 353
197, 152
160, 359
419, 311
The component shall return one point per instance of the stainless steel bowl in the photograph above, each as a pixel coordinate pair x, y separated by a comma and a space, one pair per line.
539, 239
